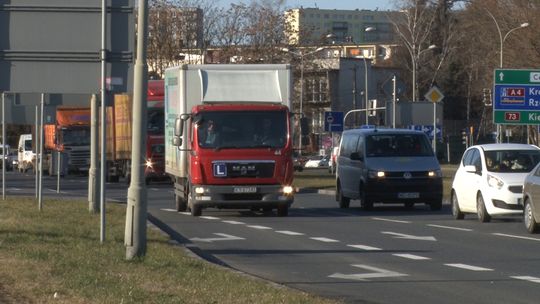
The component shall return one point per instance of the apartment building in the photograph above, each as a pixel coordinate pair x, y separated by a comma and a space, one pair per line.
321, 26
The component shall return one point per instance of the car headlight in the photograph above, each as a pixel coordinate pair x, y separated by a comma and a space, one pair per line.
435, 173
376, 174
494, 182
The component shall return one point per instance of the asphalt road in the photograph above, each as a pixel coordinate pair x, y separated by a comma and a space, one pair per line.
389, 255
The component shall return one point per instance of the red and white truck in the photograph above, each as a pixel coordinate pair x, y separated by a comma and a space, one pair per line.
247, 163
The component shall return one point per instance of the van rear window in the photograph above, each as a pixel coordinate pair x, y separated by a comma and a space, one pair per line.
389, 145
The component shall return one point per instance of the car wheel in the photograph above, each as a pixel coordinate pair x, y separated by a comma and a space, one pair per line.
283, 210
528, 218
343, 201
483, 215
456, 212
181, 204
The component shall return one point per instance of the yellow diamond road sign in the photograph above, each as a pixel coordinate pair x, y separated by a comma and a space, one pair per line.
434, 94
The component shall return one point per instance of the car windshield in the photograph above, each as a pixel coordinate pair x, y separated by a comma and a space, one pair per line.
247, 129
390, 145
511, 161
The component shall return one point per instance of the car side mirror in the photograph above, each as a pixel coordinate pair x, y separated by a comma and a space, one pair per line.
470, 169
356, 156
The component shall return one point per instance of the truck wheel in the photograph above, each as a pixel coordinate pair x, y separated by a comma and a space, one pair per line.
195, 210
181, 205
283, 210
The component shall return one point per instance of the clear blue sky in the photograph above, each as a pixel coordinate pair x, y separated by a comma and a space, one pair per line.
332, 4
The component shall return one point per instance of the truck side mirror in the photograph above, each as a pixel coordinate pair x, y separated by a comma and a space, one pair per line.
20, 149
178, 131
356, 156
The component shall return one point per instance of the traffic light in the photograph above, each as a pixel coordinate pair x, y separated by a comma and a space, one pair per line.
464, 137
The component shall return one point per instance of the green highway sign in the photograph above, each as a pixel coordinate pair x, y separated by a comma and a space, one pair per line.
531, 77
516, 97
517, 117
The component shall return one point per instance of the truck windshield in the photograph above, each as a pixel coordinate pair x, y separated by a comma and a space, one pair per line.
390, 145
247, 129
28, 144
76, 137
156, 122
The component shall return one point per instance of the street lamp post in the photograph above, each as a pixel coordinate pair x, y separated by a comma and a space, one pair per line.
415, 55
502, 39
366, 95
301, 55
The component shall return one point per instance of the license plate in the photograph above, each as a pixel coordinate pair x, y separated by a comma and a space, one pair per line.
245, 189
408, 195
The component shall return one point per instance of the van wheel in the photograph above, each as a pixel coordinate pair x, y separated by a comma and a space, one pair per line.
366, 203
343, 201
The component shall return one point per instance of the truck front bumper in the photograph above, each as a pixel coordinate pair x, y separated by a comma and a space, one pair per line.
240, 196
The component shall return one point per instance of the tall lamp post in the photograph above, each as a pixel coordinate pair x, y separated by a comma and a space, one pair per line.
301, 55
501, 40
366, 95
415, 56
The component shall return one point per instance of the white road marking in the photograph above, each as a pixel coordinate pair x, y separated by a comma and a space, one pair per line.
389, 220
14, 189
155, 189
364, 247
185, 213
527, 278
411, 256
410, 237
377, 273
169, 210
449, 227
518, 237
224, 237
209, 217
259, 227
289, 232
469, 267
323, 239
234, 222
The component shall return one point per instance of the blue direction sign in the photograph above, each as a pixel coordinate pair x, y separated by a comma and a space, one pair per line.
516, 96
333, 121
428, 129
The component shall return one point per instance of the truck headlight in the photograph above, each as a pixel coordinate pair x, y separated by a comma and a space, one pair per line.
149, 163
288, 190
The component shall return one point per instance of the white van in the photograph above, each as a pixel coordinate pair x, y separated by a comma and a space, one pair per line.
387, 166
25, 154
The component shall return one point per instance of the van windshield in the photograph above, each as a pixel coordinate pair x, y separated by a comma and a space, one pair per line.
389, 145
28, 145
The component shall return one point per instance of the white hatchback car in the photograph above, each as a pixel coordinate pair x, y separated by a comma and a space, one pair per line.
489, 180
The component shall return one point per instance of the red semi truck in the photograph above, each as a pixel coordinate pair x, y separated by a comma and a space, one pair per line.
228, 141
119, 134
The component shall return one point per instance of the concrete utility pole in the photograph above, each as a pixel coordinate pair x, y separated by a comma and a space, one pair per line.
136, 213
102, 172
93, 192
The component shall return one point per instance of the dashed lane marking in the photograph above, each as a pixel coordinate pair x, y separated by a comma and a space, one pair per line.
411, 256
469, 267
209, 217
234, 222
389, 220
450, 227
527, 278
364, 247
259, 227
289, 232
168, 209
323, 239
518, 237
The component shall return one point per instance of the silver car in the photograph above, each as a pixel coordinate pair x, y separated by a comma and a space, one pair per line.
531, 200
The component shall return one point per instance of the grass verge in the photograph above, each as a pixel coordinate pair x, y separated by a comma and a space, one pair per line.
57, 252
